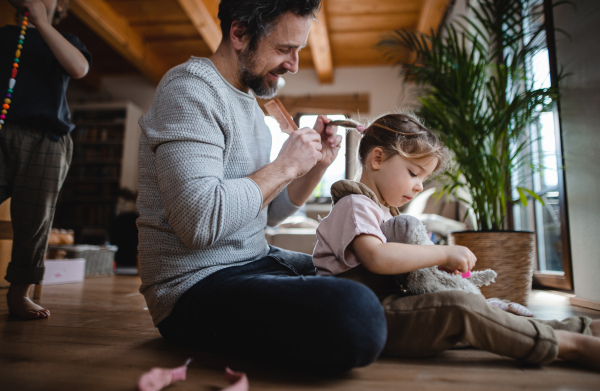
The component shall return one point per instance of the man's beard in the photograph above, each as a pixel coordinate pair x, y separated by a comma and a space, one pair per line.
261, 87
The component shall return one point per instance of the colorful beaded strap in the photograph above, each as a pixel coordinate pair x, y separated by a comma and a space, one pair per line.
12, 81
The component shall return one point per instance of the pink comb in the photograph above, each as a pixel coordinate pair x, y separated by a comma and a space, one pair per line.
467, 274
283, 118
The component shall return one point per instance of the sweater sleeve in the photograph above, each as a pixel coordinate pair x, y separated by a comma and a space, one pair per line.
280, 208
188, 132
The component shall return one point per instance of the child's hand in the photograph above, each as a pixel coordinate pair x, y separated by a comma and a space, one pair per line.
459, 259
37, 11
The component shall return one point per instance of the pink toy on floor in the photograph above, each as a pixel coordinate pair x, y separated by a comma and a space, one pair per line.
158, 378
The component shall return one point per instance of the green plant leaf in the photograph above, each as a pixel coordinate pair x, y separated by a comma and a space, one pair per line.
522, 196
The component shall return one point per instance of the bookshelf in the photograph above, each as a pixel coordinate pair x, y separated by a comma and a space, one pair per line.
105, 153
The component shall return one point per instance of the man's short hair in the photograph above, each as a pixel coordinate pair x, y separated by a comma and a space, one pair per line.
260, 16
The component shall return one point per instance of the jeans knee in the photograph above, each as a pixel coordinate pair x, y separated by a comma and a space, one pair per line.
363, 329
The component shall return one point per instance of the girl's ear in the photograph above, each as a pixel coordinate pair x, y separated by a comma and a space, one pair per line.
376, 159
237, 34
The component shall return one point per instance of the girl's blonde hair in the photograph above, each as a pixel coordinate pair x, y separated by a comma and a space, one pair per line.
401, 133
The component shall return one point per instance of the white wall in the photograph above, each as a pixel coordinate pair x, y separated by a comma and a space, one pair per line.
580, 115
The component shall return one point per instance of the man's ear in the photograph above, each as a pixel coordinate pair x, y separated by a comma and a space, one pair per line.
376, 159
237, 35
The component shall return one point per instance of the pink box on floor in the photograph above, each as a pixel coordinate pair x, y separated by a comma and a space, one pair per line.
64, 271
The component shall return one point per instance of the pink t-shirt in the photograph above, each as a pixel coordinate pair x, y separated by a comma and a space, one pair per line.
351, 216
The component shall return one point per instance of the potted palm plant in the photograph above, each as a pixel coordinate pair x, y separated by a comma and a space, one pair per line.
476, 94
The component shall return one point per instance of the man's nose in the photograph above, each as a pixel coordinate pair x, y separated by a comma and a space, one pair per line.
292, 64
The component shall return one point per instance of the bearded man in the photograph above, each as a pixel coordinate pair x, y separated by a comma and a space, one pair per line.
207, 191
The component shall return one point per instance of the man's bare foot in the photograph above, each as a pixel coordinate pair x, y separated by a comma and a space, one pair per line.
579, 348
21, 306
595, 327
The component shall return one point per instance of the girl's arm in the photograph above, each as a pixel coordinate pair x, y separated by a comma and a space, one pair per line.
69, 57
396, 258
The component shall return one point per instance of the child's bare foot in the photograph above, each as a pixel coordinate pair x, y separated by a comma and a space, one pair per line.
21, 306
595, 327
579, 348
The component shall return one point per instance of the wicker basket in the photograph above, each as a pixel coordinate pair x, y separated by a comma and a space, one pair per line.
511, 254
99, 260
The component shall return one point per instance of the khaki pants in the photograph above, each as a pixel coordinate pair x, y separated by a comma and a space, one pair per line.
424, 325
33, 168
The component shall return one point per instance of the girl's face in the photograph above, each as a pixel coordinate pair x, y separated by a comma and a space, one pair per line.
398, 180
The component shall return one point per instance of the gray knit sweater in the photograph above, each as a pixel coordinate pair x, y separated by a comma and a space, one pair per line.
199, 213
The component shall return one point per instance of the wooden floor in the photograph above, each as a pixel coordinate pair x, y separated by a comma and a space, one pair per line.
100, 337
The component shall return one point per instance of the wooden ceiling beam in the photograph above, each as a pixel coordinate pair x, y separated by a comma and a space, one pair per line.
201, 18
432, 14
320, 48
116, 31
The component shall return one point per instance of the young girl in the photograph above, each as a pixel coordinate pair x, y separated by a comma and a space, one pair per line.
397, 154
36, 63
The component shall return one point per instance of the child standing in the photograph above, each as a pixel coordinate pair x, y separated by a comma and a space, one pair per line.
398, 154
35, 145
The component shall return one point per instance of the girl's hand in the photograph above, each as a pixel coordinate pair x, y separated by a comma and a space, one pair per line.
38, 13
459, 259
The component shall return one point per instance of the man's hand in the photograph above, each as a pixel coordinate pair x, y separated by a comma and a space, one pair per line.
330, 140
300, 152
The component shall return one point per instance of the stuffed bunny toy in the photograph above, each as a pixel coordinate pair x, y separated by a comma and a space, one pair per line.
409, 229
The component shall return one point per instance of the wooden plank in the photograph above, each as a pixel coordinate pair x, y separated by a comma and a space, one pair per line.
149, 11
357, 48
320, 47
379, 22
203, 21
166, 31
594, 305
117, 32
100, 337
357, 7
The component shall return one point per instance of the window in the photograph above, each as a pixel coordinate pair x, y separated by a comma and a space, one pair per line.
335, 172
545, 177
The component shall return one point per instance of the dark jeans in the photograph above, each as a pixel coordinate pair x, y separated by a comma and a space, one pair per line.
278, 311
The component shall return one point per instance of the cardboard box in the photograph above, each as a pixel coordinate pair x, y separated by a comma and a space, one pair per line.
64, 271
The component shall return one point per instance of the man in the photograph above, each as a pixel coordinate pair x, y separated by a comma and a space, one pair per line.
207, 191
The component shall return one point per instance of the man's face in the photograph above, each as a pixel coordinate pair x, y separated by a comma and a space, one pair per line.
275, 55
